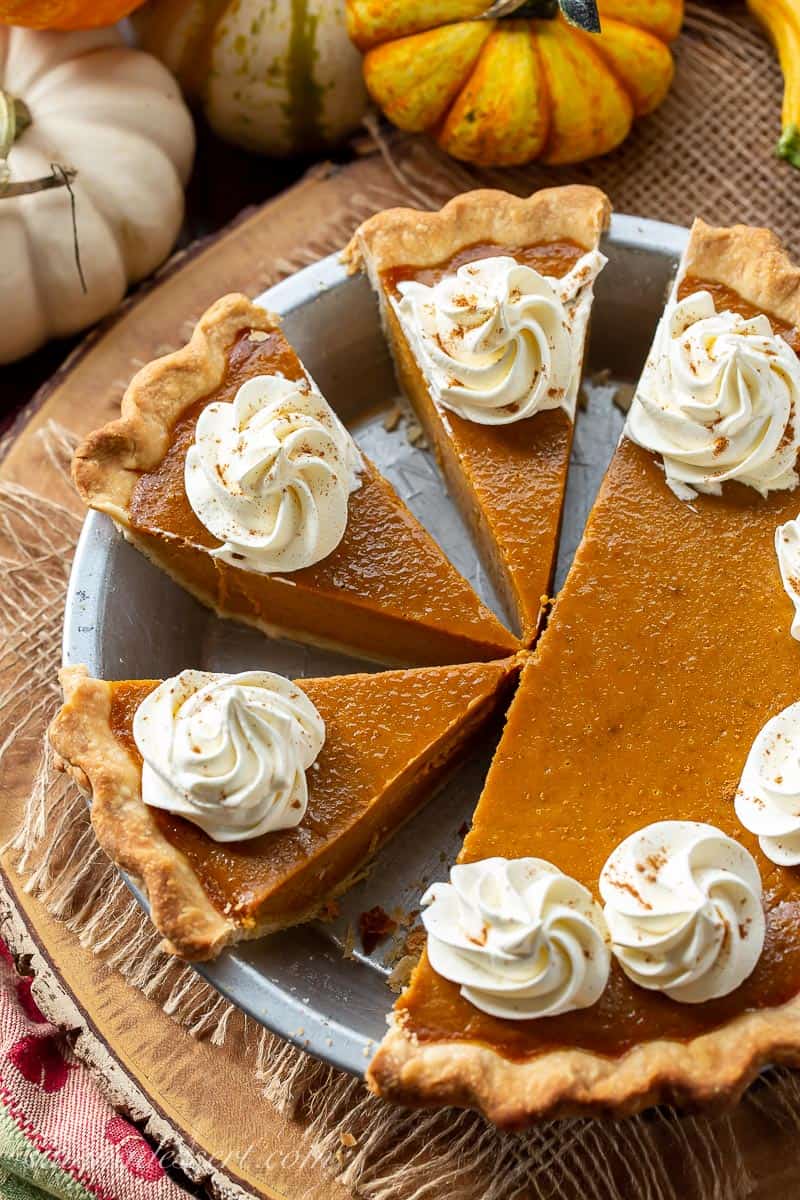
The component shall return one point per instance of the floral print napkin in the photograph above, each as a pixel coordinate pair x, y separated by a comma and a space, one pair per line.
58, 1135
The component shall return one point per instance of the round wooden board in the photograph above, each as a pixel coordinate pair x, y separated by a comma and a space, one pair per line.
208, 1094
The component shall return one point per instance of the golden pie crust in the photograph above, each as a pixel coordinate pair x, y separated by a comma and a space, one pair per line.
86, 747
508, 479
573, 746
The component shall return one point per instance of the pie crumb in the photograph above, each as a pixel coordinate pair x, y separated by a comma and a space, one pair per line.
374, 925
329, 911
348, 1140
392, 419
401, 973
415, 942
623, 396
416, 435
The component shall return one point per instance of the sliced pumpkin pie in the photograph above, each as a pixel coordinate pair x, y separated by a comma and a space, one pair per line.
230, 471
668, 657
486, 306
243, 803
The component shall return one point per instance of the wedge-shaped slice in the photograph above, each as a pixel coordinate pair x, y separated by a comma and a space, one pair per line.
668, 650
389, 740
486, 305
386, 591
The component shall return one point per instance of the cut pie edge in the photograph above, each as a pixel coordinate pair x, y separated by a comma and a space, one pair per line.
710, 1072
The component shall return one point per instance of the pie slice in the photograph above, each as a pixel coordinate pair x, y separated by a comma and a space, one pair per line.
668, 650
486, 306
389, 740
384, 590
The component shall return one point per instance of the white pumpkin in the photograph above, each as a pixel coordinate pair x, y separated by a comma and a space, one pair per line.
279, 77
116, 117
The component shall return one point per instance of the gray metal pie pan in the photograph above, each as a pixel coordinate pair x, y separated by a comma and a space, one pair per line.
124, 619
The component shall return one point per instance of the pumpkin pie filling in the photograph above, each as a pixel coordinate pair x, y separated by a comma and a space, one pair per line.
667, 652
386, 590
389, 739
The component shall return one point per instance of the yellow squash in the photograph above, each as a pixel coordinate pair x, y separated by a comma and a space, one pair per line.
781, 18
504, 91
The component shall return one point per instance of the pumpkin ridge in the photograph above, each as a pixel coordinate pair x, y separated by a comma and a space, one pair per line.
495, 96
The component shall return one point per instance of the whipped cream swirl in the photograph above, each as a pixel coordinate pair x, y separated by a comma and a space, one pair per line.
718, 400
497, 341
228, 752
787, 548
522, 939
768, 797
270, 473
683, 907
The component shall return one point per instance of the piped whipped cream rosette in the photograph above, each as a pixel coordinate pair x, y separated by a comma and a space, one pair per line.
270, 474
768, 797
718, 400
683, 908
787, 548
228, 752
520, 938
497, 341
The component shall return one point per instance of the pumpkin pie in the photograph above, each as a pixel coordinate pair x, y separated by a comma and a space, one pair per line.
264, 798
486, 306
668, 652
229, 471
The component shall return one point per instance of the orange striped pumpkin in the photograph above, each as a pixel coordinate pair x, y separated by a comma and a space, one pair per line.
505, 91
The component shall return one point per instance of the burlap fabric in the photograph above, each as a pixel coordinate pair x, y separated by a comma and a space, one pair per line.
708, 150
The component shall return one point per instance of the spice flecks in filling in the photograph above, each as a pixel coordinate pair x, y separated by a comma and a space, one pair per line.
496, 340
270, 473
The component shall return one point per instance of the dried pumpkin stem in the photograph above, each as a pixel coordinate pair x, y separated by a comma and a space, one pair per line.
15, 118
582, 13
543, 9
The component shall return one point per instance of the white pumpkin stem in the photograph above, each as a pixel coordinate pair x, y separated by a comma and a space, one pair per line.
15, 118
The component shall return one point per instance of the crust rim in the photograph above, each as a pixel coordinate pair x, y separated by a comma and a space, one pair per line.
709, 1072
86, 748
407, 236
107, 463
750, 261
